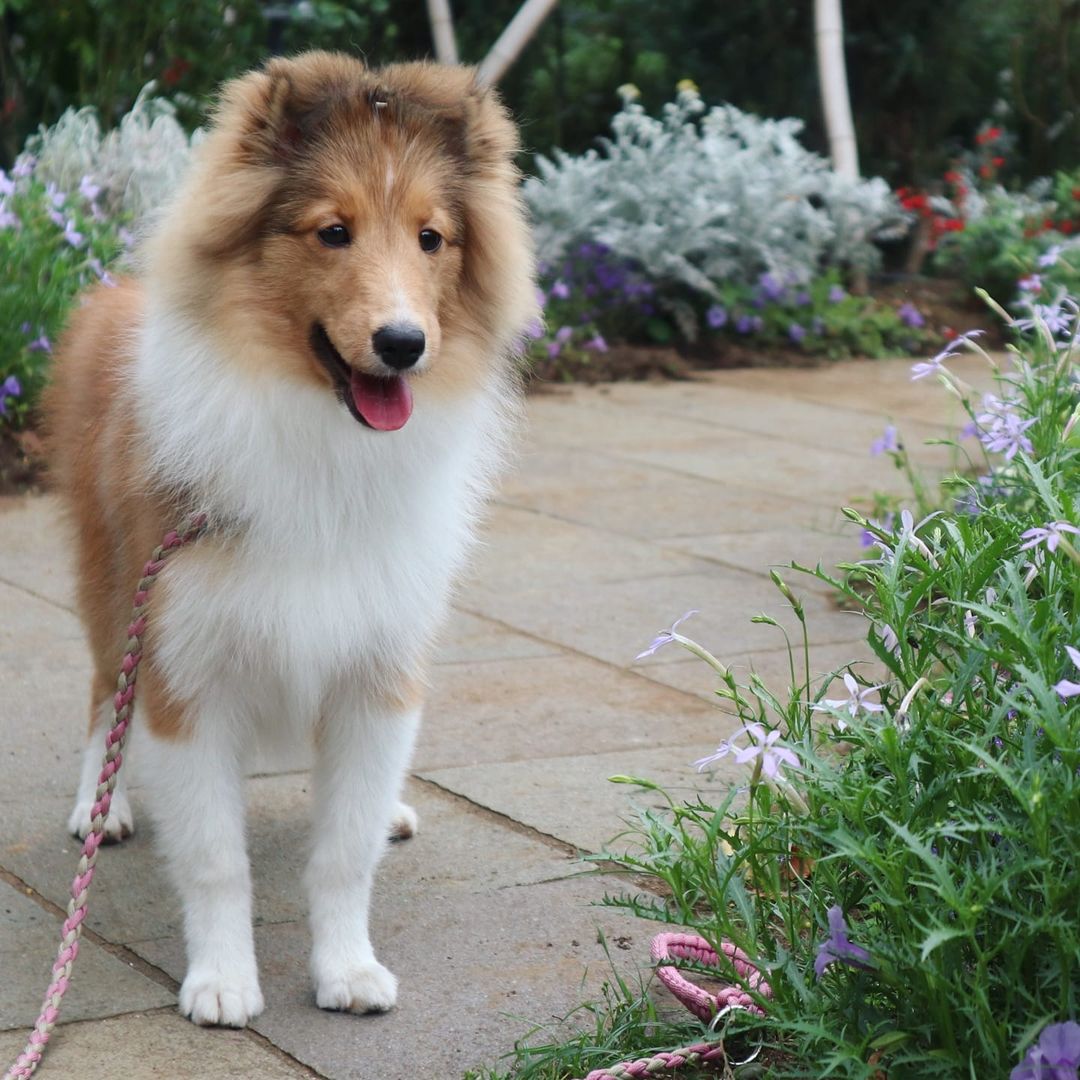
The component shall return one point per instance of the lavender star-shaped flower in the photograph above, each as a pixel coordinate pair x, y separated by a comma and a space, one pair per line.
665, 637
1051, 535
933, 366
837, 947
763, 746
1056, 1056
887, 442
853, 704
716, 317
1066, 688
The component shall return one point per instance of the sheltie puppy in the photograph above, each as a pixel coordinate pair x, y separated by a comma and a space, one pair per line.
319, 355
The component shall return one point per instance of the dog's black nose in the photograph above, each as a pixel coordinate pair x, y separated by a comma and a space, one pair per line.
399, 347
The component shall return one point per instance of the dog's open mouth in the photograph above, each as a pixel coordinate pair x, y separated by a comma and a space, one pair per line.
384, 403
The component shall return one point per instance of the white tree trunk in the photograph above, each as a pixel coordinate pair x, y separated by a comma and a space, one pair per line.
442, 31
513, 39
832, 74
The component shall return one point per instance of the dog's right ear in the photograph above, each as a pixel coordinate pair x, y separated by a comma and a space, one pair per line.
274, 113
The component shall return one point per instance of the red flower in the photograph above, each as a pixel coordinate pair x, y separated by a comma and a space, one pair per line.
177, 69
985, 172
948, 333
1076, 193
1066, 227
997, 162
989, 135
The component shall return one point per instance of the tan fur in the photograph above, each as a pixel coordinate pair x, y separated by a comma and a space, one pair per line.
302, 144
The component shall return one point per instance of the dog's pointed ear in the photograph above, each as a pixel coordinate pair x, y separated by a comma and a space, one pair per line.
275, 112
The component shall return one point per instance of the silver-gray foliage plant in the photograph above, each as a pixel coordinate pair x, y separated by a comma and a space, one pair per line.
706, 195
138, 164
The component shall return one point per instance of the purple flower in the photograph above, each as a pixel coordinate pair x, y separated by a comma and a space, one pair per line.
716, 317
802, 298
910, 315
57, 218
837, 293
560, 290
748, 324
88, 189
933, 366
837, 946
796, 332
1049, 257
40, 344
770, 288
597, 343
7, 185
763, 745
1030, 284
8, 218
855, 702
55, 196
24, 328
24, 166
1052, 316
664, 637
1051, 535
887, 442
868, 539
553, 349
10, 387
103, 275
72, 235
563, 334
1056, 1056
534, 330
1065, 688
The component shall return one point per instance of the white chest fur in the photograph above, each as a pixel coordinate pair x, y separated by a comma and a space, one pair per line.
343, 542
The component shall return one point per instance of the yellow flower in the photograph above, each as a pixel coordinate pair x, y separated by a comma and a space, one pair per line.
628, 92
687, 86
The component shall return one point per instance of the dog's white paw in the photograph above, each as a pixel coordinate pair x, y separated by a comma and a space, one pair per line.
119, 822
364, 988
405, 823
211, 997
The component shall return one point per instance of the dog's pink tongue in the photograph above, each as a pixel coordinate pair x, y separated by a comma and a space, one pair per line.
386, 404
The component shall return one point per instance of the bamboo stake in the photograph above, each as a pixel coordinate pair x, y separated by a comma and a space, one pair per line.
512, 40
832, 73
442, 31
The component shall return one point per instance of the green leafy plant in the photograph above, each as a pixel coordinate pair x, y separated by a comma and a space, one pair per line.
52, 244
900, 863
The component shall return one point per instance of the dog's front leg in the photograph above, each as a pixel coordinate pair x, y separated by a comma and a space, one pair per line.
363, 746
198, 805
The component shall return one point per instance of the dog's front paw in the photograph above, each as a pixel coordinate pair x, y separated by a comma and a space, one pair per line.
211, 997
363, 988
404, 824
119, 822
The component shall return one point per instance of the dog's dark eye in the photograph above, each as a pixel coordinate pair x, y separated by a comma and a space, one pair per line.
334, 236
430, 240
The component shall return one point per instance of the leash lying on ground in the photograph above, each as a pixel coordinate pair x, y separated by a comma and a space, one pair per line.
123, 702
707, 1006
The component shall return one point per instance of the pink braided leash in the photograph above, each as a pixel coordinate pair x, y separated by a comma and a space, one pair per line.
665, 950
123, 700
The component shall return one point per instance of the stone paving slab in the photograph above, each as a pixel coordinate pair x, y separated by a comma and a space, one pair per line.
101, 985
155, 1046
571, 798
614, 621
764, 412
514, 710
45, 687
35, 554
476, 970
644, 502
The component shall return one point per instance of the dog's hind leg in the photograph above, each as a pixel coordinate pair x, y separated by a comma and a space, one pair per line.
362, 750
119, 822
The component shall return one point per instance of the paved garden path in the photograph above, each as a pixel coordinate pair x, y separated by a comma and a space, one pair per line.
631, 504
